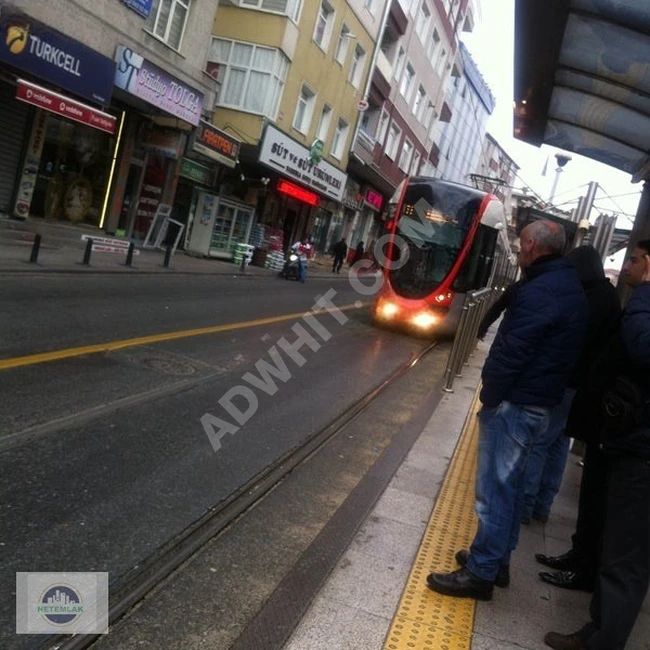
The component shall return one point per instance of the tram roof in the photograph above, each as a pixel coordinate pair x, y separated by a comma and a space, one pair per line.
430, 180
582, 79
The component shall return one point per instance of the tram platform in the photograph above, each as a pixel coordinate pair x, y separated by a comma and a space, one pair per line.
376, 597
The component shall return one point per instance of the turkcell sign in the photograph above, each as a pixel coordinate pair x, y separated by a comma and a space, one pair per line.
147, 81
35, 48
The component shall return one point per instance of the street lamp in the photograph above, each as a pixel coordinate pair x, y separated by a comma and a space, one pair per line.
562, 160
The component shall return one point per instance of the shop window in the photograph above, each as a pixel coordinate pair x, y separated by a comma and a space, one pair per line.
167, 20
340, 139
254, 76
324, 24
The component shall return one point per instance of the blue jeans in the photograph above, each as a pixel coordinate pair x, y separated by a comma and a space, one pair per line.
506, 436
302, 270
547, 461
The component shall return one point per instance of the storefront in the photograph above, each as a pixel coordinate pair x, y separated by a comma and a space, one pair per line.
153, 147
57, 148
304, 192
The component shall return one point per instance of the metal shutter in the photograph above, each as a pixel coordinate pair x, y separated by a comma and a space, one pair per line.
13, 122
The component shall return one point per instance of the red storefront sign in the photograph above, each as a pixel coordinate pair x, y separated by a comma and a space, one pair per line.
61, 105
297, 192
374, 199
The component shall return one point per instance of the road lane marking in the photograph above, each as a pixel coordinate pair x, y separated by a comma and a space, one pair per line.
56, 355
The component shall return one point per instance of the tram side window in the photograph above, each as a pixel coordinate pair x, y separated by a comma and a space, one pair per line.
477, 267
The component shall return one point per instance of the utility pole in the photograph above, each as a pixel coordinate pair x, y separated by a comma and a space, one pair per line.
562, 160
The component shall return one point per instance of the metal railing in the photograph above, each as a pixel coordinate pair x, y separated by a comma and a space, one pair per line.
474, 308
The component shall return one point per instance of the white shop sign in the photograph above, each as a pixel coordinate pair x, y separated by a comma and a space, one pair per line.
109, 245
290, 158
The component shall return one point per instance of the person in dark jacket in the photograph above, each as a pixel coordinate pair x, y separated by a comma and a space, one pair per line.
624, 566
577, 568
358, 253
549, 453
339, 251
524, 377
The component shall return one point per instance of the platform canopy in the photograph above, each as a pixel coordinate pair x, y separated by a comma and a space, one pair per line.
582, 79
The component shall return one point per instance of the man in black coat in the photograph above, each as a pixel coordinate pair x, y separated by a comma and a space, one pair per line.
339, 251
624, 566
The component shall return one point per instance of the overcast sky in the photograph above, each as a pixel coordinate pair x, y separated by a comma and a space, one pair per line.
492, 47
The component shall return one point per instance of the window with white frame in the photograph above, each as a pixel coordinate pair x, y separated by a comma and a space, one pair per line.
415, 166
433, 45
392, 141
420, 100
167, 20
289, 8
428, 116
399, 62
382, 126
342, 45
440, 67
254, 76
357, 65
324, 123
340, 139
405, 157
422, 21
408, 79
324, 23
304, 109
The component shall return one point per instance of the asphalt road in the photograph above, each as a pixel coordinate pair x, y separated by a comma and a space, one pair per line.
103, 457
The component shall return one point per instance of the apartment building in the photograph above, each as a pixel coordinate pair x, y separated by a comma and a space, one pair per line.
292, 75
99, 102
497, 169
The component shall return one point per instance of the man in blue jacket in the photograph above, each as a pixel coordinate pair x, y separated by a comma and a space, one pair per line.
524, 377
624, 567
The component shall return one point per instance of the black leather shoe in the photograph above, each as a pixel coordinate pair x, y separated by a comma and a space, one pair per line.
568, 580
565, 641
503, 577
565, 562
460, 584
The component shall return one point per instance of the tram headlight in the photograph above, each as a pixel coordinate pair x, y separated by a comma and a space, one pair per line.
424, 320
387, 310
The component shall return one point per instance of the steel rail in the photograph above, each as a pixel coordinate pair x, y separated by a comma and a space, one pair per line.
142, 579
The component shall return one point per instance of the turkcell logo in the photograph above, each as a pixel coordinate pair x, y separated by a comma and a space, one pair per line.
56, 603
61, 605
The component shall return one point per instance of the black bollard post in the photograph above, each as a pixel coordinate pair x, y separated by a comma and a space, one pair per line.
168, 254
33, 258
129, 255
87, 252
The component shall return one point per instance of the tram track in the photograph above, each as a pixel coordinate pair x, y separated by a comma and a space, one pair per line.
134, 586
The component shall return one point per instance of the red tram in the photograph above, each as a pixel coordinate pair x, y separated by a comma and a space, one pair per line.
445, 239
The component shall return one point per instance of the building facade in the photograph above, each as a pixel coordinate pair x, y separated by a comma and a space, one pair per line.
98, 104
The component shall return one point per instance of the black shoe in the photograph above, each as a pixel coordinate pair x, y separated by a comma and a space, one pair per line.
565, 562
503, 577
460, 584
565, 641
568, 580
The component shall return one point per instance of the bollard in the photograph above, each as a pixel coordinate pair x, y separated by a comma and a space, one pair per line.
36, 247
243, 265
129, 255
464, 336
87, 252
168, 254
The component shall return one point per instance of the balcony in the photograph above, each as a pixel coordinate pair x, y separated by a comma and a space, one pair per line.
366, 141
384, 66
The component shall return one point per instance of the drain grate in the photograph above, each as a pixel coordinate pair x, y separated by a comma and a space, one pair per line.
424, 619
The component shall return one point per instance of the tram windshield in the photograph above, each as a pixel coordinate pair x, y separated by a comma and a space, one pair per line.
434, 222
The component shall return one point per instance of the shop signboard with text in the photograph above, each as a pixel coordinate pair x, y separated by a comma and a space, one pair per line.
39, 50
143, 7
214, 143
145, 80
282, 153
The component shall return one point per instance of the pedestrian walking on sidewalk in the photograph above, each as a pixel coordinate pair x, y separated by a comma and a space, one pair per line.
550, 452
534, 352
624, 565
339, 252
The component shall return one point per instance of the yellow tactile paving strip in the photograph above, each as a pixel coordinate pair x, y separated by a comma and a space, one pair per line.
425, 620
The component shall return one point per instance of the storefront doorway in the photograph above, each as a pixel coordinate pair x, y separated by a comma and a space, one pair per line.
131, 192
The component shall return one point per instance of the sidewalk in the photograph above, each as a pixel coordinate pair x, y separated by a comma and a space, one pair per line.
62, 251
376, 597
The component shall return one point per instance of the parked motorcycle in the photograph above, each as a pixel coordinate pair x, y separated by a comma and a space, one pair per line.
291, 270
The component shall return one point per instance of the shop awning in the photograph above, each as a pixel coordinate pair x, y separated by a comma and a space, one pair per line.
582, 79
